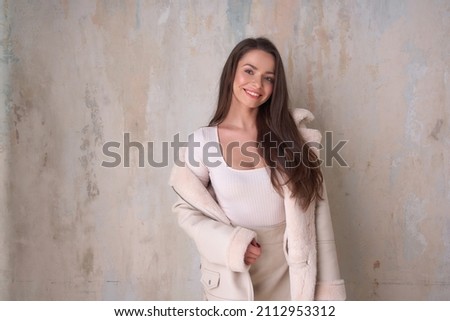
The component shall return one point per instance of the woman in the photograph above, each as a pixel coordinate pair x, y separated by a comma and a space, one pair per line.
252, 195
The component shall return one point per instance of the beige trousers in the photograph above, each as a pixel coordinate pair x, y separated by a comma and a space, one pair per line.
270, 273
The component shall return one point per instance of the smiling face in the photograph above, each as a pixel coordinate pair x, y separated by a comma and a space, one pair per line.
254, 79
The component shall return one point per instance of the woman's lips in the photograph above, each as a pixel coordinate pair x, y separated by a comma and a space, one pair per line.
252, 93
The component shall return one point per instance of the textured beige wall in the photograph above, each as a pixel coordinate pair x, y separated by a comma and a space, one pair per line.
5, 272
78, 74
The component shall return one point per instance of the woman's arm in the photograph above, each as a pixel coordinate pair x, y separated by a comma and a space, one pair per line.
217, 242
216, 239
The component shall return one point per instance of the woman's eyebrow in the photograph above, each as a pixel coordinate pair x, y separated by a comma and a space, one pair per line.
250, 65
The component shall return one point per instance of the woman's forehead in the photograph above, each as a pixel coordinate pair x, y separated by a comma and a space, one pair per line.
258, 59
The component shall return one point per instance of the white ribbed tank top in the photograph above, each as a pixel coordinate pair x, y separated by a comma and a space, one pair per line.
246, 196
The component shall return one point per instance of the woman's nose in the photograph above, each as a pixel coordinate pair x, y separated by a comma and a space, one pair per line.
257, 81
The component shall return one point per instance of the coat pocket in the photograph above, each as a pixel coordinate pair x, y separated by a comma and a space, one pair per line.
210, 279
219, 283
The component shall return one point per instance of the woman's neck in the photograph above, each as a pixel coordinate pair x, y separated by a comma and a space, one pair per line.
241, 117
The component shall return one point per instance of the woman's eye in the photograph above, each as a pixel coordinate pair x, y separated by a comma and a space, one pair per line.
270, 79
249, 71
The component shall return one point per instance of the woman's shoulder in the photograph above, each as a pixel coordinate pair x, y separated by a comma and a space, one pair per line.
200, 143
204, 134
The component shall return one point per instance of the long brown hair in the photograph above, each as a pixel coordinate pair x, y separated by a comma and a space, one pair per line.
292, 162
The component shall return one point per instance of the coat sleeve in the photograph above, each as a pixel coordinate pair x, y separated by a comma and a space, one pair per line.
217, 242
329, 284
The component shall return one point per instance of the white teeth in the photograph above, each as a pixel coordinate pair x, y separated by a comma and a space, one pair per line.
252, 93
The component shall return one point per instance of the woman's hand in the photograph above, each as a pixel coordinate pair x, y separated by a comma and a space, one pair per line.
253, 252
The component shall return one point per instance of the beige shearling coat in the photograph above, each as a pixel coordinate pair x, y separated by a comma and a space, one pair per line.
308, 241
